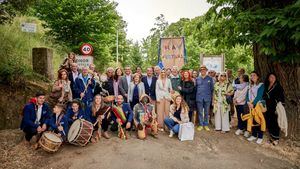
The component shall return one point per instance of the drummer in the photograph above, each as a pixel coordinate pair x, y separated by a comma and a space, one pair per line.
99, 115
75, 112
58, 123
35, 115
144, 114
125, 107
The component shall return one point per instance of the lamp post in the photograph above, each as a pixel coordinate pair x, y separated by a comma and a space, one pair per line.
117, 44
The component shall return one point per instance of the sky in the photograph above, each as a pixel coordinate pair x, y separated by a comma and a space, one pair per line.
140, 14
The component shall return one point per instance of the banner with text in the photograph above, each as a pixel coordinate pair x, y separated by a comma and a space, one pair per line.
172, 52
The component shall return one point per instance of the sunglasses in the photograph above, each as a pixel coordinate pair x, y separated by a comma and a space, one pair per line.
223, 75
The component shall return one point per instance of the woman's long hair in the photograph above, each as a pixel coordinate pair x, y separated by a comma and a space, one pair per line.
116, 77
267, 82
183, 104
94, 110
258, 80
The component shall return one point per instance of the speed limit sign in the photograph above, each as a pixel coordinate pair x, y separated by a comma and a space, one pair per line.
86, 49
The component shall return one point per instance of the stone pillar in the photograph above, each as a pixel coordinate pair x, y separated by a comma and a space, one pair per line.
42, 61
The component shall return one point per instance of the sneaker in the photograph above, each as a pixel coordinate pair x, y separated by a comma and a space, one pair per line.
259, 141
238, 132
171, 133
199, 128
252, 138
206, 128
246, 134
275, 143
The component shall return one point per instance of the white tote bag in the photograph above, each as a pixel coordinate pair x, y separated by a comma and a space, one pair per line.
186, 131
282, 119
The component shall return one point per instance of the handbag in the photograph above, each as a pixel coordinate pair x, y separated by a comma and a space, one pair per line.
186, 131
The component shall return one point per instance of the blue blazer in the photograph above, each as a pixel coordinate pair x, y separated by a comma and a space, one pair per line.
51, 122
29, 116
81, 115
204, 89
150, 90
128, 112
79, 88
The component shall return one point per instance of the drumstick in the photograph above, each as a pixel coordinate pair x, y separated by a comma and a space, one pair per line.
103, 114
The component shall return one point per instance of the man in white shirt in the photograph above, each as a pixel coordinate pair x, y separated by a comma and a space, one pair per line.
35, 115
72, 77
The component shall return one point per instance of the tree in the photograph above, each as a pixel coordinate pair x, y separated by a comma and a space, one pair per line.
10, 8
272, 28
73, 22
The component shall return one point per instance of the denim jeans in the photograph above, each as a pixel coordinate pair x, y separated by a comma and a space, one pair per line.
203, 115
172, 125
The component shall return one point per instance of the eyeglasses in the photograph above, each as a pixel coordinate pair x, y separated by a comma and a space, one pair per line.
223, 75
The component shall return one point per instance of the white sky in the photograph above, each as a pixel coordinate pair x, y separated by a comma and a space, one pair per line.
140, 14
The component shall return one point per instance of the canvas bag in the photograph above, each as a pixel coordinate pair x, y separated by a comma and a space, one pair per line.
282, 119
186, 131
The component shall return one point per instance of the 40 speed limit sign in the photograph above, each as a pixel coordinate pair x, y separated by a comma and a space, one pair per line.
86, 49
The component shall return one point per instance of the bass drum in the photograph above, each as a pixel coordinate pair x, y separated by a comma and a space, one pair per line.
80, 132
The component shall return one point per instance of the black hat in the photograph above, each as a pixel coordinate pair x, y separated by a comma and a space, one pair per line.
39, 93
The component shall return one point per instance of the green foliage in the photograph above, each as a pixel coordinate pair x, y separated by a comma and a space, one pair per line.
197, 39
16, 59
73, 22
10, 8
274, 26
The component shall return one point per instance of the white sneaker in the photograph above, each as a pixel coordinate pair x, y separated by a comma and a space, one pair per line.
171, 133
246, 134
238, 132
259, 141
252, 138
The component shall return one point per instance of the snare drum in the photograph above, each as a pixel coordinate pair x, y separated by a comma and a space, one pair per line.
80, 132
50, 142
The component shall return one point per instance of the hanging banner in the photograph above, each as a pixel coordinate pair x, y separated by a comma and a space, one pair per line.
172, 52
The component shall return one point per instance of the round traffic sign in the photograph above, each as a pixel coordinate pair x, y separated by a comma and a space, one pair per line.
86, 49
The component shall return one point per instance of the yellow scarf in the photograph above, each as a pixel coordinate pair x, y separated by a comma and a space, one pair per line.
257, 115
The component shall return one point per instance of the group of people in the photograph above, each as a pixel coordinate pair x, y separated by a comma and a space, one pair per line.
159, 100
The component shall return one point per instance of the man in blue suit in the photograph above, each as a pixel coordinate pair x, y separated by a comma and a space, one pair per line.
35, 115
205, 88
128, 113
150, 83
84, 87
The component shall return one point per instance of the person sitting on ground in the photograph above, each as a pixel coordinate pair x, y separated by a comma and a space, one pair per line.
34, 117
75, 112
99, 115
145, 116
179, 114
125, 120
58, 123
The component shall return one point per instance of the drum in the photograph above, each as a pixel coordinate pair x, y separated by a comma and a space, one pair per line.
50, 142
80, 132
109, 99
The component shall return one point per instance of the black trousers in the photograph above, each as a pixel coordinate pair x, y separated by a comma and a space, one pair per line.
29, 133
272, 124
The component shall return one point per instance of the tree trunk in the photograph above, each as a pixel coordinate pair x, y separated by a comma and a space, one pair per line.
288, 75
